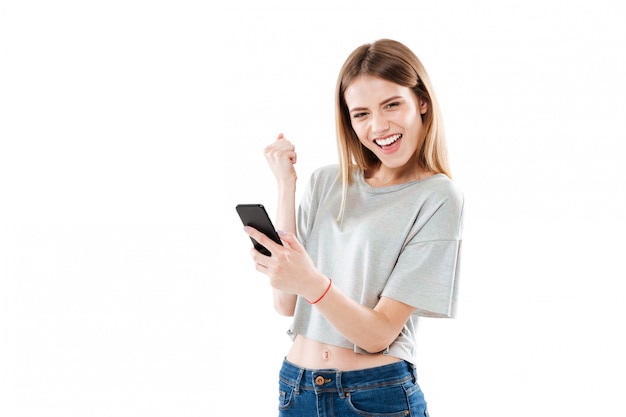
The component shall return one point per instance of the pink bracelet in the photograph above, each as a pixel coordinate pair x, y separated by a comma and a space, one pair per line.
323, 295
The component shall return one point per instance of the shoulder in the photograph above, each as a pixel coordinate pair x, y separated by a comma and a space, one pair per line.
443, 188
322, 181
441, 197
326, 171
439, 210
324, 176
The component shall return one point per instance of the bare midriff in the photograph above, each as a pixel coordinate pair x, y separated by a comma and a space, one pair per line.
308, 353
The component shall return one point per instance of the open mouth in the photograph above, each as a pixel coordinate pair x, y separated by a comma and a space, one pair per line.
388, 141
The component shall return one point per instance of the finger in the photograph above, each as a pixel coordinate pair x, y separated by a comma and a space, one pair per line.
259, 263
279, 148
283, 145
258, 258
290, 240
262, 269
262, 239
293, 157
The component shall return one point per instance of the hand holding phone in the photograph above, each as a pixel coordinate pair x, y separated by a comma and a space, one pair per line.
254, 215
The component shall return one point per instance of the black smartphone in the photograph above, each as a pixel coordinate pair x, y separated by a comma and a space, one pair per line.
254, 215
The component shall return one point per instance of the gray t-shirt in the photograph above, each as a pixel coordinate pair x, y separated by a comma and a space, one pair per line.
401, 242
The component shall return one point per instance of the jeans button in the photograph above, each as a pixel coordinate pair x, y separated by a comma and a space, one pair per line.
319, 380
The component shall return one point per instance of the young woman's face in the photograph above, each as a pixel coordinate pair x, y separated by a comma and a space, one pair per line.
386, 117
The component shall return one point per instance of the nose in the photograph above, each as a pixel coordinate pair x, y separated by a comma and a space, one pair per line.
380, 125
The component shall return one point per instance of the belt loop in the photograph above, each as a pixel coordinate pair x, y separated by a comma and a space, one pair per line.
339, 386
413, 371
299, 380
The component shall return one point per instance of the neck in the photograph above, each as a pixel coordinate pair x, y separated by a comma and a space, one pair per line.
382, 176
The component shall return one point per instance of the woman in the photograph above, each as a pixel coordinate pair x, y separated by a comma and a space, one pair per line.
374, 244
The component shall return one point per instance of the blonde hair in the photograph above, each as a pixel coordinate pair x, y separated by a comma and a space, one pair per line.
391, 61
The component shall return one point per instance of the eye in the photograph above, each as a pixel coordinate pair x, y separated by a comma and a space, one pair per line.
392, 105
359, 115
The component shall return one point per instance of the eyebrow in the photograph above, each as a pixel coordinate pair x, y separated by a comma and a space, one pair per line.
381, 103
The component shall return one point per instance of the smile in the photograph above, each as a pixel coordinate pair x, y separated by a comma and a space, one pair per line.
387, 141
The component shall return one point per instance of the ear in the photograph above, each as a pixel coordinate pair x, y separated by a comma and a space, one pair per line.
423, 106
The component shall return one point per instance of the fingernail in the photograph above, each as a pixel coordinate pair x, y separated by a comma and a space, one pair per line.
281, 233
246, 229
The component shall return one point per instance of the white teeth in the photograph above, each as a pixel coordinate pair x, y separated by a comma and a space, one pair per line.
388, 141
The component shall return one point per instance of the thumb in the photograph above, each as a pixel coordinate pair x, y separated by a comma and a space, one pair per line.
290, 239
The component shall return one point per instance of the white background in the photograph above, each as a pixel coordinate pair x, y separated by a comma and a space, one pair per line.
130, 129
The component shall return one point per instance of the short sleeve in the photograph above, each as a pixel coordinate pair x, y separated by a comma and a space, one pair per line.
306, 211
427, 271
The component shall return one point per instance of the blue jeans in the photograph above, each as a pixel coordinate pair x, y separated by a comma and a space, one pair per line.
384, 391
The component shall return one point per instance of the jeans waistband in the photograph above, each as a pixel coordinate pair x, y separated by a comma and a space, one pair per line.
346, 381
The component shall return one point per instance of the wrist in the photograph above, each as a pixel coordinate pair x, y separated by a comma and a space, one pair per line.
285, 186
321, 291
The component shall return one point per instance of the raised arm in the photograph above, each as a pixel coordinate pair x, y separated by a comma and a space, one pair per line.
281, 157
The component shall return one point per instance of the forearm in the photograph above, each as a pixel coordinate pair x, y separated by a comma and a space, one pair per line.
286, 208
284, 302
372, 329
292, 271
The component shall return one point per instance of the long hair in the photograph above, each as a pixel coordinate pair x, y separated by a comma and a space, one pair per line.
391, 61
